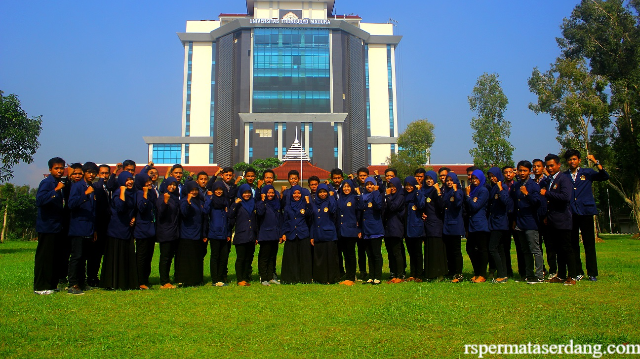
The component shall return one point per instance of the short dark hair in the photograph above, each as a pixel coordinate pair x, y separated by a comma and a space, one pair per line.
420, 170
505, 167
201, 173
293, 172
553, 157
103, 165
395, 172
228, 169
363, 169
570, 153
268, 171
90, 167
126, 163
472, 168
250, 169
337, 172
537, 160
444, 169
76, 166
525, 163
313, 178
177, 165
54, 161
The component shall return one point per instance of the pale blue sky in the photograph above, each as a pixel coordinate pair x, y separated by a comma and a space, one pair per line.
104, 74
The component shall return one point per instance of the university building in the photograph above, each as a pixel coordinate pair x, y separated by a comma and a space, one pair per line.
254, 82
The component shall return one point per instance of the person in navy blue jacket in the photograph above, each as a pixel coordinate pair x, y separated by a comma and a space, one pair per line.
219, 232
82, 226
296, 257
324, 237
119, 269
414, 226
526, 199
270, 233
583, 208
557, 189
145, 229
435, 253
243, 215
500, 205
539, 174
477, 199
95, 249
228, 181
167, 231
372, 205
192, 244
394, 218
453, 228
348, 227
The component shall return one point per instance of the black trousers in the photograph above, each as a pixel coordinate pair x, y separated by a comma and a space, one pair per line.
144, 254
349, 250
244, 258
374, 252
167, 254
94, 253
219, 260
46, 263
561, 241
477, 249
64, 244
341, 258
395, 249
584, 225
267, 255
496, 245
78, 260
416, 259
453, 245
362, 257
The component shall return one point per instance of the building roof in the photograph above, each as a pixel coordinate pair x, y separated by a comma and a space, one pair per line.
308, 170
330, 5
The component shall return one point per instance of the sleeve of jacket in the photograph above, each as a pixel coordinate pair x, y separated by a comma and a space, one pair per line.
395, 203
185, 208
505, 197
564, 192
47, 193
333, 205
141, 202
534, 194
600, 175
261, 208
77, 196
112, 183
377, 200
483, 197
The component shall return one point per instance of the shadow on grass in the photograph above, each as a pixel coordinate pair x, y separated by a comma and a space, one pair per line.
15, 250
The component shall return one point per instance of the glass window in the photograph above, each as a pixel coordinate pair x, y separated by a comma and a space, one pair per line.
167, 153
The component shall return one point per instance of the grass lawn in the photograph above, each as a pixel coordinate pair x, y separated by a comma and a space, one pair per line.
426, 320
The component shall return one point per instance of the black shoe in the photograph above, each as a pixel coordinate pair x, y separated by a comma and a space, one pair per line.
94, 282
75, 290
534, 280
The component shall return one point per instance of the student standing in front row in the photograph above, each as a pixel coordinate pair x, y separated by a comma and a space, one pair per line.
348, 227
119, 270
103, 215
192, 243
145, 229
168, 206
394, 214
478, 237
500, 205
435, 254
372, 204
243, 215
453, 228
296, 256
219, 235
324, 238
414, 206
270, 233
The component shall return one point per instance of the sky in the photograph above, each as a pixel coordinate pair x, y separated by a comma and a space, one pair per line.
105, 74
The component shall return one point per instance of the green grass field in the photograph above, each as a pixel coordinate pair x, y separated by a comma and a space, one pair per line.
426, 320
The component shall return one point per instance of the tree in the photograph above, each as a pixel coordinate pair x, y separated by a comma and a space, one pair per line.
606, 35
490, 129
18, 135
19, 211
260, 165
414, 145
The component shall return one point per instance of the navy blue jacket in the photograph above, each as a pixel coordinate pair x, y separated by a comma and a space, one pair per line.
232, 189
50, 204
394, 214
582, 201
500, 205
348, 218
286, 196
191, 219
146, 216
168, 216
526, 207
246, 224
372, 215
324, 229
434, 209
269, 221
558, 198
453, 222
477, 207
83, 211
122, 212
103, 205
296, 222
414, 210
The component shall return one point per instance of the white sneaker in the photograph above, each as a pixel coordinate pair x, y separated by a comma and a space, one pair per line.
579, 277
44, 292
265, 283
274, 281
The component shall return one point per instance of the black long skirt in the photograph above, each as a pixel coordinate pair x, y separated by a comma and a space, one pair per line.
297, 261
189, 266
435, 258
326, 269
119, 266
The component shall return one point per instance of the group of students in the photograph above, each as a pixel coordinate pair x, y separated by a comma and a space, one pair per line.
95, 213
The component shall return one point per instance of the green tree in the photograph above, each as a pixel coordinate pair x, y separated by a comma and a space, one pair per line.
260, 165
18, 135
414, 146
490, 129
19, 211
